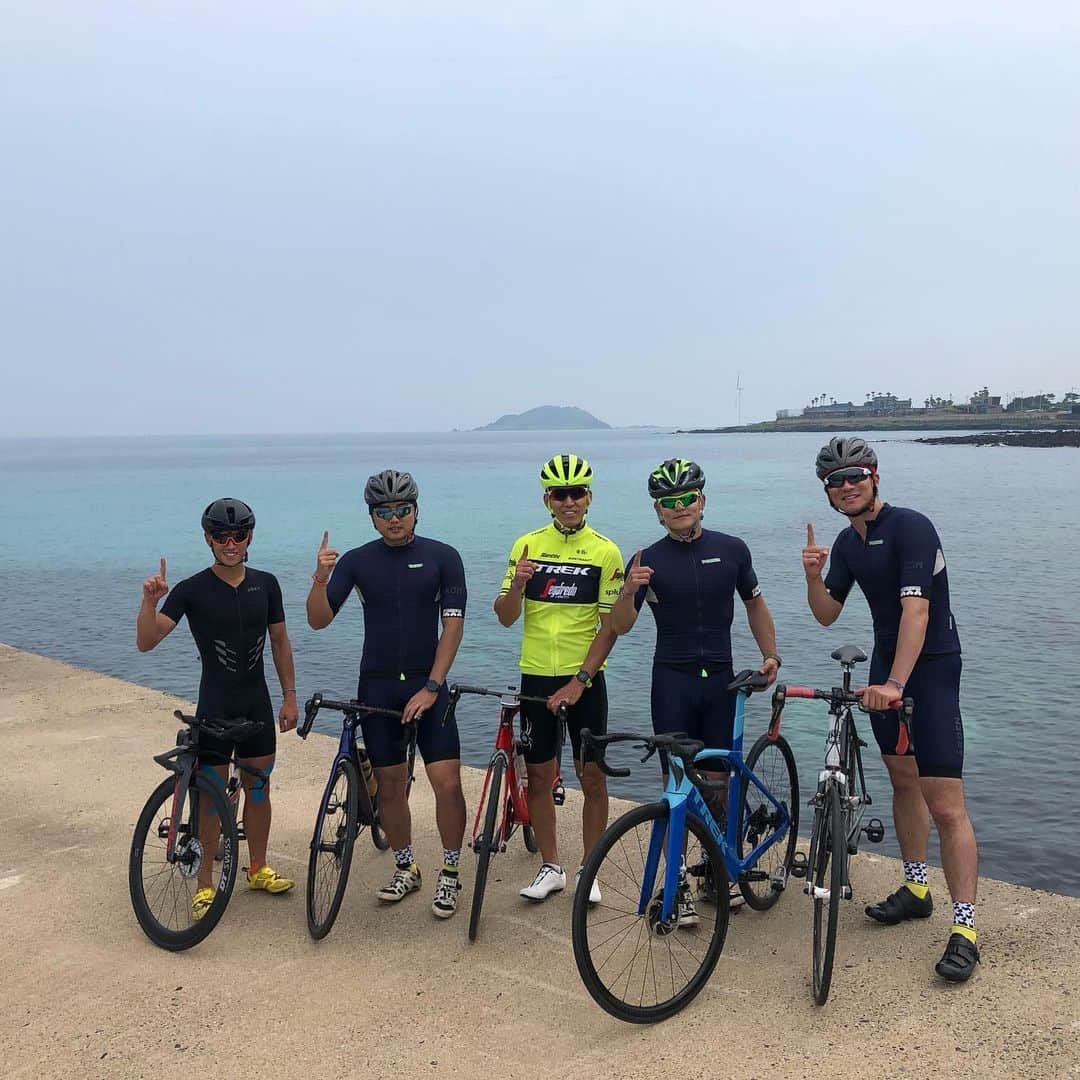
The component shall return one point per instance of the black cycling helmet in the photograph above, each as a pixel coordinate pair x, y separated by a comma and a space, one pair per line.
390, 486
843, 452
228, 514
674, 476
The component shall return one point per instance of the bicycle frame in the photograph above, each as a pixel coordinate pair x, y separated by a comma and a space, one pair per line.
515, 810
682, 796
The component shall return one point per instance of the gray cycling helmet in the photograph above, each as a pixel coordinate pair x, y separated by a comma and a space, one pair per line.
674, 476
843, 452
390, 486
228, 514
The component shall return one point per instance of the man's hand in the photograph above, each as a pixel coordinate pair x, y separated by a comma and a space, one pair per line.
417, 705
325, 560
569, 692
880, 698
523, 571
154, 588
813, 556
288, 714
769, 668
636, 575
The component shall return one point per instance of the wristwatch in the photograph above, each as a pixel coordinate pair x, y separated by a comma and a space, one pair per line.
432, 687
584, 677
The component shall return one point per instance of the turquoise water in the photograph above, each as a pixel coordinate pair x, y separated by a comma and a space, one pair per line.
84, 521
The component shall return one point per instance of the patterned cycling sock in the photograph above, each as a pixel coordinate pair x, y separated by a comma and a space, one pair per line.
403, 857
963, 915
451, 860
916, 878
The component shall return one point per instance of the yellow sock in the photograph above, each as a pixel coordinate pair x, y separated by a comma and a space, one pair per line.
920, 891
963, 931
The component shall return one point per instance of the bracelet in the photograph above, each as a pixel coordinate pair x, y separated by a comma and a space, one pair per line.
773, 656
319, 580
897, 683
288, 689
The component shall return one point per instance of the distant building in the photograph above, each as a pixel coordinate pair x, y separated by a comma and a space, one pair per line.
875, 405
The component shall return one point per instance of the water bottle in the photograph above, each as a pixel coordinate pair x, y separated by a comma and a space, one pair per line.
369, 775
520, 770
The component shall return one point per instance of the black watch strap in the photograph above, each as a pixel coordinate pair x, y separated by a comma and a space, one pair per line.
584, 677
432, 686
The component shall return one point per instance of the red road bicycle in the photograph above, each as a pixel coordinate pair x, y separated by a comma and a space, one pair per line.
506, 787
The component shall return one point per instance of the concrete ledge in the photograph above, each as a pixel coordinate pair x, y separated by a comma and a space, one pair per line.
396, 992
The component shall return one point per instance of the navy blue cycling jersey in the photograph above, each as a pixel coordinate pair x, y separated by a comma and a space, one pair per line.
229, 627
692, 595
901, 556
404, 591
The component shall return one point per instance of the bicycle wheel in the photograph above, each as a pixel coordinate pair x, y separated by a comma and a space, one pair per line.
827, 880
332, 849
527, 834
485, 842
639, 967
774, 765
161, 891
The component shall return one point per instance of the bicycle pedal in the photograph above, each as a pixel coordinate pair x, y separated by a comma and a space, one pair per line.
778, 880
874, 830
798, 865
558, 793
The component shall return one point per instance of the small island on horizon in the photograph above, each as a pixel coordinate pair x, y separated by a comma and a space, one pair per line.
547, 418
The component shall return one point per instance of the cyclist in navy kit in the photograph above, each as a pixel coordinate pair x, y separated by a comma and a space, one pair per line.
230, 609
689, 579
408, 586
894, 555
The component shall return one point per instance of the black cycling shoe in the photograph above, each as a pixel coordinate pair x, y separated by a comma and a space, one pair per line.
959, 960
901, 906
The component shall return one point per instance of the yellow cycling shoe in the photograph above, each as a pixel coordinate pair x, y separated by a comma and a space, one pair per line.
267, 879
200, 903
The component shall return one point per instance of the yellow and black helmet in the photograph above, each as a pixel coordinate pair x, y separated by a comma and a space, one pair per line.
674, 476
566, 470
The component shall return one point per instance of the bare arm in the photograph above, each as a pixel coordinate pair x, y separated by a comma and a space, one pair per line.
508, 604
453, 629
624, 611
761, 625
824, 608
281, 650
151, 627
319, 612
912, 636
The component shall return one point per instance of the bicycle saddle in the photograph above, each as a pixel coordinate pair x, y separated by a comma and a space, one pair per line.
849, 654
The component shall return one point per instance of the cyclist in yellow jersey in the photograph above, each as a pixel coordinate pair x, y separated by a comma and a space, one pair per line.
565, 577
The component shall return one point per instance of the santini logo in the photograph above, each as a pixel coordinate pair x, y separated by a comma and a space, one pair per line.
875, 543
705, 562
415, 565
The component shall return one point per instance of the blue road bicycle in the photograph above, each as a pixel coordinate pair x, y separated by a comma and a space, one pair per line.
648, 947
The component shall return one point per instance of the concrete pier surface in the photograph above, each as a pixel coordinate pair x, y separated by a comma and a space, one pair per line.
395, 992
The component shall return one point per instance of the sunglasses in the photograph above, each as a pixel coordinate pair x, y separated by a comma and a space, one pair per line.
223, 536
684, 499
562, 494
386, 513
847, 476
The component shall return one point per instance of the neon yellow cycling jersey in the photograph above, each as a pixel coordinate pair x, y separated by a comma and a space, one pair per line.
578, 577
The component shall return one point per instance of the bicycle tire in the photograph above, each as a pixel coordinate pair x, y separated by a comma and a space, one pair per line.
830, 849
527, 834
583, 935
756, 824
495, 798
143, 847
330, 857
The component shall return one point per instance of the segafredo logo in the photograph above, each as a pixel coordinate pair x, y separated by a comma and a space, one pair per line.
554, 591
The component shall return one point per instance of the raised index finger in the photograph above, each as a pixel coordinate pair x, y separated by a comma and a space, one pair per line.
524, 554
162, 567
809, 535
325, 540
636, 561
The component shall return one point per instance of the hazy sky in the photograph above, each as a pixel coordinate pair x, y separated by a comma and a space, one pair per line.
365, 217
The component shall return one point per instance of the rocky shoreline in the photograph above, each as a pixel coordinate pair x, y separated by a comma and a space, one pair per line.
1042, 439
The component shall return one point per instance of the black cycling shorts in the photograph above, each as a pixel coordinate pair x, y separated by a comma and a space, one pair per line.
251, 703
700, 706
936, 728
589, 712
384, 736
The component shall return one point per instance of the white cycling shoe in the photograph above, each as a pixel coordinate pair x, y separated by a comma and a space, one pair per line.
594, 888
549, 879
